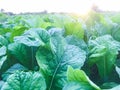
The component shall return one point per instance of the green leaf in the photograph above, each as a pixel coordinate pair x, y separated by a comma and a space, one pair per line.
25, 81
12, 70
103, 53
3, 41
77, 86
56, 31
25, 46
115, 88
6, 61
34, 37
18, 30
3, 50
1, 84
2, 61
24, 54
78, 80
53, 61
72, 40
116, 32
109, 85
28, 40
3, 54
118, 70
74, 28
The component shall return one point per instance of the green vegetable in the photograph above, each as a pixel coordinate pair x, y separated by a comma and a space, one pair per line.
60, 51
54, 61
103, 53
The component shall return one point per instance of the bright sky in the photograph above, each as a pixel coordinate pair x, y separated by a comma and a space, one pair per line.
76, 6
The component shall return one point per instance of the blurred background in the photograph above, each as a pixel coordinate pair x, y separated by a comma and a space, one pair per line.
68, 6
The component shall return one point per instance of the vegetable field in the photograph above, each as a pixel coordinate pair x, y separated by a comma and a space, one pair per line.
60, 51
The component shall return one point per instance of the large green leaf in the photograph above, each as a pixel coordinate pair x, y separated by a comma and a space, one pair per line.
78, 80
53, 61
103, 53
25, 81
25, 46
24, 54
